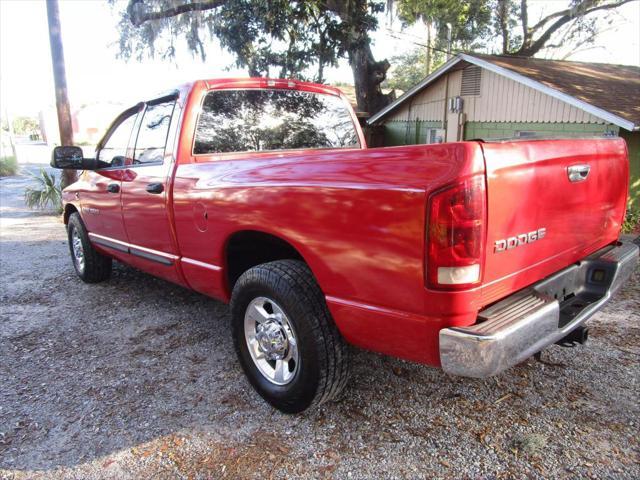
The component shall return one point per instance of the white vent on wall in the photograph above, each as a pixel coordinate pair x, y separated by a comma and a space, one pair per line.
471, 80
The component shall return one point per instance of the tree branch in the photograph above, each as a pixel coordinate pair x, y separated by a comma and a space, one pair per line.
576, 48
568, 54
568, 16
138, 15
581, 9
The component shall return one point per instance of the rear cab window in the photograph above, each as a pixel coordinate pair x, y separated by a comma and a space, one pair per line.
272, 119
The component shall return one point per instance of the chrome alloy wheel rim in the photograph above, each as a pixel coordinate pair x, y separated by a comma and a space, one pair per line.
78, 250
271, 341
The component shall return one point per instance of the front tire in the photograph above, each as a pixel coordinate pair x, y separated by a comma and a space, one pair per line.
91, 266
286, 341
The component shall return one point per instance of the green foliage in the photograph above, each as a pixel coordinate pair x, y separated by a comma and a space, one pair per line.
470, 20
477, 24
631, 221
8, 166
25, 125
45, 193
408, 69
264, 35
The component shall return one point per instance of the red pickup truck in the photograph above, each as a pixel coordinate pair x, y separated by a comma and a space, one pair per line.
471, 256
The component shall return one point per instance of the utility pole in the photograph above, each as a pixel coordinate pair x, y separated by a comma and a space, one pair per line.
445, 121
428, 47
60, 81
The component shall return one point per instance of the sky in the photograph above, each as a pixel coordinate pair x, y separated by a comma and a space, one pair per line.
95, 74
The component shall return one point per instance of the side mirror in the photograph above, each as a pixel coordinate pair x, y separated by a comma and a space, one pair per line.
71, 158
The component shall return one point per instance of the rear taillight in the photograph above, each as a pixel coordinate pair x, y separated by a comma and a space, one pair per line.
456, 234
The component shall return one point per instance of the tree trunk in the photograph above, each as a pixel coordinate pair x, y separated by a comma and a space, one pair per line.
428, 47
367, 76
503, 17
321, 57
60, 80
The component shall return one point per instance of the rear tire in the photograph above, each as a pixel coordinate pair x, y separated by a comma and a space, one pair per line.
91, 266
286, 341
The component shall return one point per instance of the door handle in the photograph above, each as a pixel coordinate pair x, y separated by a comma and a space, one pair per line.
578, 173
155, 188
113, 188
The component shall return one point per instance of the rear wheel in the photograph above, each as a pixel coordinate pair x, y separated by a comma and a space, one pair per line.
286, 340
91, 266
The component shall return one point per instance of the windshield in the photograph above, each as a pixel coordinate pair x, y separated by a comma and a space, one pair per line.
260, 120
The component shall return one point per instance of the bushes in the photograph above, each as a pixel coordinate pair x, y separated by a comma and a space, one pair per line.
8, 166
46, 192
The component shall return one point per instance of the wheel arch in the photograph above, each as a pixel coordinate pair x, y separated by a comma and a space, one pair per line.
247, 248
69, 208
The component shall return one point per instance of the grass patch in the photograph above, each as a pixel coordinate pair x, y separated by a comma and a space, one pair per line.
8, 166
531, 444
631, 221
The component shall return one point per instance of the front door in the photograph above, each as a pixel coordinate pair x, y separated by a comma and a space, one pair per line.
100, 199
146, 186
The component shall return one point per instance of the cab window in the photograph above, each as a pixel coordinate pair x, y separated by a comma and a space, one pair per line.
114, 151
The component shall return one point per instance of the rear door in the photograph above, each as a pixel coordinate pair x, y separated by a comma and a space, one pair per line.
550, 203
146, 185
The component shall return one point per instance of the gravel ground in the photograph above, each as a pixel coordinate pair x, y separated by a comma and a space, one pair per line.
137, 378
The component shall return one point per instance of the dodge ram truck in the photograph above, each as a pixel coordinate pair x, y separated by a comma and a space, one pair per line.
470, 256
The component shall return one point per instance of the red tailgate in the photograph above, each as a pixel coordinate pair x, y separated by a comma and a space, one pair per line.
539, 221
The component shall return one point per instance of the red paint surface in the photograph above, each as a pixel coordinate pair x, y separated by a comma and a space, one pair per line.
358, 218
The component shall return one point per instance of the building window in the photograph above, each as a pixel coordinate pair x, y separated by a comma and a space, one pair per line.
471, 77
526, 134
435, 135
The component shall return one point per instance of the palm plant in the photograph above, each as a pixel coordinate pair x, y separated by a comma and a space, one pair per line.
46, 192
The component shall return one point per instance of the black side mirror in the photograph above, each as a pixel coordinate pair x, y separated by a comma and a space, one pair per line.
71, 158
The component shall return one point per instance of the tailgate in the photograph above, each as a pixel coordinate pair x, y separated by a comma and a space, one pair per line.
540, 220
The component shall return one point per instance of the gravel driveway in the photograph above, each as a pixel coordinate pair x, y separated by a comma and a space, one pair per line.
137, 378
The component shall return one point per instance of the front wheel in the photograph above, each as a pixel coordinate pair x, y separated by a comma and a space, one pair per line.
286, 340
91, 266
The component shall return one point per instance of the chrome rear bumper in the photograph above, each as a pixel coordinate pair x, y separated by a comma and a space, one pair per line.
528, 321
